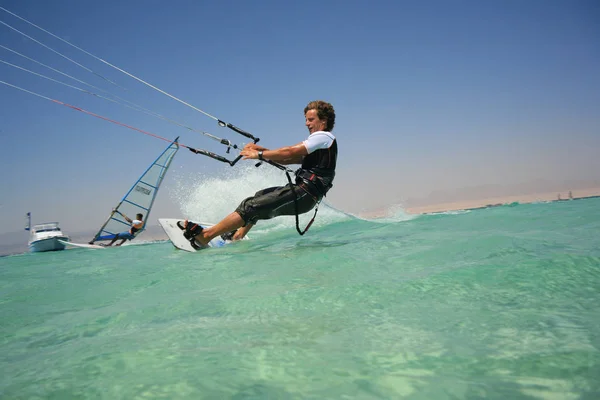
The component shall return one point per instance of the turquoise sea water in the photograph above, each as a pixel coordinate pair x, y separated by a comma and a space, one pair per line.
500, 303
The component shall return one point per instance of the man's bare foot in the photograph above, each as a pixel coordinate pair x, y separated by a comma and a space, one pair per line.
229, 235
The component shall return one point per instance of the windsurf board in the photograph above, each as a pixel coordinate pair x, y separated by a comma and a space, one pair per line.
82, 245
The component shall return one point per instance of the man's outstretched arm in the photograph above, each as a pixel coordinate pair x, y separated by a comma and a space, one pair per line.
284, 155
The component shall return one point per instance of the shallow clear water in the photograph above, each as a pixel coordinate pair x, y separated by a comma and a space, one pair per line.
495, 303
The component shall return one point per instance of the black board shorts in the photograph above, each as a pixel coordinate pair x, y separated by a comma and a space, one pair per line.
275, 201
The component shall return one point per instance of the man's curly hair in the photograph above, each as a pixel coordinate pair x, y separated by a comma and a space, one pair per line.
325, 111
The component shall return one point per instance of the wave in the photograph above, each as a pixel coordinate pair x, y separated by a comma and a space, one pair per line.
451, 212
395, 213
210, 198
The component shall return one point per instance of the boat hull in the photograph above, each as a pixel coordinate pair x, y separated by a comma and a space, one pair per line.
48, 244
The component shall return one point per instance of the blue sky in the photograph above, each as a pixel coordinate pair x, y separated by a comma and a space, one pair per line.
429, 95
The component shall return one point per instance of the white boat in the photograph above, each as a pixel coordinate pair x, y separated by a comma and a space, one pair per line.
45, 237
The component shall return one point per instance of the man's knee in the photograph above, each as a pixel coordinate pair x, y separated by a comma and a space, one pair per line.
241, 232
238, 235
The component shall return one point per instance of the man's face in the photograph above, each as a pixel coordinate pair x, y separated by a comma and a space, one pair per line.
313, 123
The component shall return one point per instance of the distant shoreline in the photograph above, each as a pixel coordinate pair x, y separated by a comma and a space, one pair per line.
499, 201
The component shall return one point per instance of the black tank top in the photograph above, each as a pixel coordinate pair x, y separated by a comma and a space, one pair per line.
318, 169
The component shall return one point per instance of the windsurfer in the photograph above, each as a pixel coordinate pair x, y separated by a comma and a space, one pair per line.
136, 225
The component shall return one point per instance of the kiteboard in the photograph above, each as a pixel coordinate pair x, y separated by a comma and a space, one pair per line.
175, 235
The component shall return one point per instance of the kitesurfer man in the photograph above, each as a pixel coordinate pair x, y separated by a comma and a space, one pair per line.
317, 156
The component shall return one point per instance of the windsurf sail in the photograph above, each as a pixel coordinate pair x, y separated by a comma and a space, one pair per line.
140, 198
